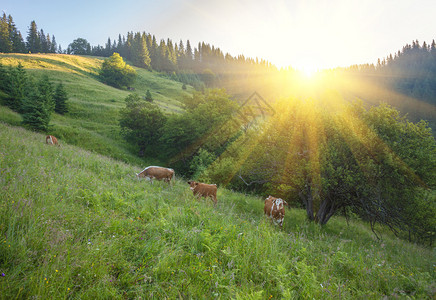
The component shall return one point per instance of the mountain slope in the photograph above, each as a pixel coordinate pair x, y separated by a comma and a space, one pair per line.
77, 224
92, 122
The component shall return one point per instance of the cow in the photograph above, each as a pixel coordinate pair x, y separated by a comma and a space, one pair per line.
51, 140
204, 190
159, 173
274, 209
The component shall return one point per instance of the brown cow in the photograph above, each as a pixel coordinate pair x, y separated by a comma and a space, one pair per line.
204, 190
51, 140
274, 209
159, 173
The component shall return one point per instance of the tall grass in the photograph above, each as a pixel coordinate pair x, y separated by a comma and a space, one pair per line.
74, 224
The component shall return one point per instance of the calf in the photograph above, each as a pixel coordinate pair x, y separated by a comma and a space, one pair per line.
274, 209
159, 173
51, 140
204, 190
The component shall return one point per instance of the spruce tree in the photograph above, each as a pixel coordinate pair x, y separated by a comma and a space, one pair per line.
60, 98
17, 90
5, 43
18, 45
43, 41
148, 96
139, 52
33, 43
53, 45
38, 106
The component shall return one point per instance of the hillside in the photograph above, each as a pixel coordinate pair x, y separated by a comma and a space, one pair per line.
92, 122
77, 224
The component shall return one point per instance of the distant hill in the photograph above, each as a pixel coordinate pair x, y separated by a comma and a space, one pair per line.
92, 122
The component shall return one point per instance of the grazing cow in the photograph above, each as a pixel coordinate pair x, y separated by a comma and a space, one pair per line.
159, 173
274, 209
204, 190
51, 140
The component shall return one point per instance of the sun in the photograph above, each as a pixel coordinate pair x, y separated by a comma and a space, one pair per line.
308, 71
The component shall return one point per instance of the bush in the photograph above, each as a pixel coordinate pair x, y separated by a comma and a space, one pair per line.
116, 72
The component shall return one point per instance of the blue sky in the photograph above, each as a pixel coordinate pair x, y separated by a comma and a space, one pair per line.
306, 34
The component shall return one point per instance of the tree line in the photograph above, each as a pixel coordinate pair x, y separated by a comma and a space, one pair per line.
11, 40
34, 99
410, 71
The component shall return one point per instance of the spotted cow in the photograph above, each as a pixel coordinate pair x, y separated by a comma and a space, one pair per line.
51, 140
274, 209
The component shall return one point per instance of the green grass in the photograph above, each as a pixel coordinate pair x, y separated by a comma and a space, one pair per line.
75, 224
92, 122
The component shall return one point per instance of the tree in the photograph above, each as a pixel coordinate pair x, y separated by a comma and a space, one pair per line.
33, 42
17, 89
148, 96
60, 98
79, 46
116, 72
38, 106
18, 45
139, 52
141, 124
5, 42
45, 43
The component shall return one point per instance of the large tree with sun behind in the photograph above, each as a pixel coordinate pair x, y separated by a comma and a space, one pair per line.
370, 162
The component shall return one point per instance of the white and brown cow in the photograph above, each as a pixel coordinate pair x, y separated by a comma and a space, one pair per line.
204, 190
155, 172
51, 140
274, 209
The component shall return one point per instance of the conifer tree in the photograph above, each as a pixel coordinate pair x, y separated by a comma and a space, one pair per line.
148, 96
60, 98
18, 84
5, 43
43, 41
38, 106
139, 52
154, 54
33, 43
53, 45
108, 47
18, 45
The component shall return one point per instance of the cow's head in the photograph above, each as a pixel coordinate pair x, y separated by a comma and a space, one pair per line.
192, 184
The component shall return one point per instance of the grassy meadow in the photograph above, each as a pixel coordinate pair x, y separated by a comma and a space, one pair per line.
92, 122
76, 224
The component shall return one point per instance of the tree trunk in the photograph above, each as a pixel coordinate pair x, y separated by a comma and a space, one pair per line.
307, 199
326, 210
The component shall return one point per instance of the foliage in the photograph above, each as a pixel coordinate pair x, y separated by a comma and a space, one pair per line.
374, 162
38, 106
78, 225
60, 98
148, 96
116, 72
141, 124
206, 124
16, 87
79, 46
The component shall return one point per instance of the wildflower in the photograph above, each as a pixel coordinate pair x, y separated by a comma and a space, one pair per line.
3, 274
57, 271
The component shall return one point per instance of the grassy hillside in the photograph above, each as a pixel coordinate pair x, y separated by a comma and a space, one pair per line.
92, 122
74, 224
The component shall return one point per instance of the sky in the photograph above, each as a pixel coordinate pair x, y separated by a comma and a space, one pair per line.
303, 34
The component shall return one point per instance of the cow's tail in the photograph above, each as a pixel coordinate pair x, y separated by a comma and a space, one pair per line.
137, 176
